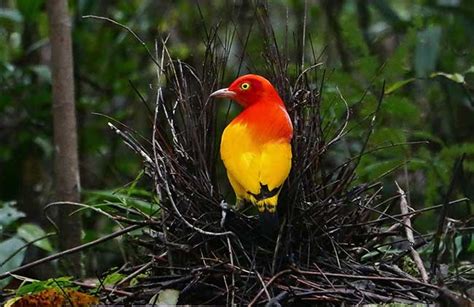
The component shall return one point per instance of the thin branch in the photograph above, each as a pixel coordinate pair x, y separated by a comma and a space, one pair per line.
26, 245
363, 277
265, 286
409, 234
442, 217
129, 30
70, 251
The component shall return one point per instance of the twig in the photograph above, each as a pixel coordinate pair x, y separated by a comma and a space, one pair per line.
26, 245
341, 131
70, 251
362, 277
409, 234
134, 274
107, 289
264, 289
130, 143
303, 40
231, 257
129, 30
158, 159
383, 219
266, 286
442, 217
278, 245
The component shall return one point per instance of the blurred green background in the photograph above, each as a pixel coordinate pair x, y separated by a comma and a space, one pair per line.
422, 49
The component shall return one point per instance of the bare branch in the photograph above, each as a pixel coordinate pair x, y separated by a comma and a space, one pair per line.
409, 233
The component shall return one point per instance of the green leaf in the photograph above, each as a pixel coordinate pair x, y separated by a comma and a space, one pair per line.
33, 287
456, 77
427, 136
11, 14
43, 72
127, 198
370, 255
31, 232
36, 286
9, 214
471, 245
427, 50
7, 261
134, 281
399, 84
113, 278
458, 244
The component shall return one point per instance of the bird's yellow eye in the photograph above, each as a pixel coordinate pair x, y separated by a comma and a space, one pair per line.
245, 86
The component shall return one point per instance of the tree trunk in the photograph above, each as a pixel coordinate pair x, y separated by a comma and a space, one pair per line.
66, 166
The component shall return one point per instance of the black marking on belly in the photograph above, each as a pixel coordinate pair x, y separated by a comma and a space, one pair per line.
264, 192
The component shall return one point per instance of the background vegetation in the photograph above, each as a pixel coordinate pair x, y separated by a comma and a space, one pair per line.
422, 50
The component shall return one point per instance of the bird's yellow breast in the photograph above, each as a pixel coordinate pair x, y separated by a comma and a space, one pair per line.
252, 164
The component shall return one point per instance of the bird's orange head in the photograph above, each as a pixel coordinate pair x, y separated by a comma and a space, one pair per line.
248, 90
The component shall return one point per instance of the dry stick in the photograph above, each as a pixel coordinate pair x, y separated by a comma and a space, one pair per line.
325, 277
264, 289
129, 277
130, 143
231, 257
159, 74
442, 217
266, 286
134, 274
383, 219
409, 234
107, 289
362, 277
342, 131
376, 239
278, 245
71, 250
157, 158
304, 33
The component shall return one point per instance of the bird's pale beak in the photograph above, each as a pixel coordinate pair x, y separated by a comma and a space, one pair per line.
223, 93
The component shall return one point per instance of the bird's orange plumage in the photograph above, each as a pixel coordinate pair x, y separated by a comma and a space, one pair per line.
255, 146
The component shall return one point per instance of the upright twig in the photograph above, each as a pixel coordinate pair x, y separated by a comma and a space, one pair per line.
442, 217
409, 233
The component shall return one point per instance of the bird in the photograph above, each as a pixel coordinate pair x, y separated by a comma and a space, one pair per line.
256, 145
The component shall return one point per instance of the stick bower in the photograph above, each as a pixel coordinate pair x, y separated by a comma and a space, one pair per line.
338, 241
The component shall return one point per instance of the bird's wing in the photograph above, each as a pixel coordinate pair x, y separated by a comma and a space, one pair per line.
275, 163
254, 165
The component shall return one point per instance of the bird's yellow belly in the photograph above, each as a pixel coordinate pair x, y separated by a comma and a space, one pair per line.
255, 167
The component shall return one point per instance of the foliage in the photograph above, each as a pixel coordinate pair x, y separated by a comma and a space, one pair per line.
15, 236
53, 283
